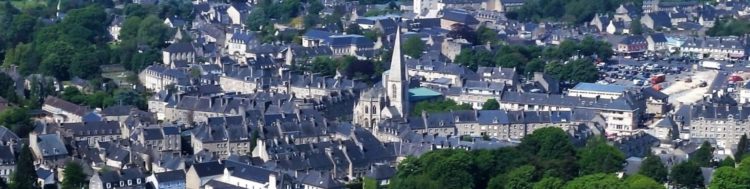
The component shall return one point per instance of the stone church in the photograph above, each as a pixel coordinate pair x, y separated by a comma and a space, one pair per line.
389, 99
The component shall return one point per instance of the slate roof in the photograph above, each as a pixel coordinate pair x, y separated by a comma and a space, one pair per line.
251, 173
215, 184
347, 40
660, 19
566, 101
180, 47
43, 173
66, 106
381, 172
152, 134
51, 145
170, 176
208, 169
7, 135
633, 39
459, 16
6, 155
117, 110
92, 128
317, 34
658, 37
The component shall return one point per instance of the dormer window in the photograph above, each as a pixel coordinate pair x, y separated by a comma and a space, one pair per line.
122, 183
130, 182
109, 185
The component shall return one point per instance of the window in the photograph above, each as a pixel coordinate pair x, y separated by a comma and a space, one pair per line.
138, 181
109, 185
130, 182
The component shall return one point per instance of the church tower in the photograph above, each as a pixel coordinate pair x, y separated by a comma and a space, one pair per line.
398, 84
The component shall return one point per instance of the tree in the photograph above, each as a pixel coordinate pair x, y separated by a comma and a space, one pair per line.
686, 175
24, 177
520, 178
635, 27
315, 7
727, 162
652, 167
551, 151
413, 47
353, 29
256, 19
704, 155
17, 119
535, 65
599, 157
486, 35
460, 31
549, 183
438, 106
642, 182
74, 176
595, 181
742, 147
729, 177
491, 104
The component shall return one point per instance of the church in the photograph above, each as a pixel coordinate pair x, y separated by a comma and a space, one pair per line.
388, 100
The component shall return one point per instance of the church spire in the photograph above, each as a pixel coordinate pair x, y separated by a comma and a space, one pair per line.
397, 71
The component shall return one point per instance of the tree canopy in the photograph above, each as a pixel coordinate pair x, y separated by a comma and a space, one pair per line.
687, 174
653, 168
491, 104
599, 157
438, 106
729, 27
24, 177
74, 176
573, 11
413, 47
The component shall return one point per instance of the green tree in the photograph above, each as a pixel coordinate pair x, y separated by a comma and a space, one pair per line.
256, 19
24, 177
654, 168
742, 147
642, 182
17, 119
727, 162
686, 175
635, 27
74, 176
595, 181
438, 106
491, 104
413, 47
535, 65
549, 183
152, 32
551, 151
486, 35
704, 155
599, 157
520, 178
729, 177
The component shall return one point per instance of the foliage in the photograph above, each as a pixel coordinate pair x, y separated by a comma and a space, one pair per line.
438, 106
686, 174
529, 59
729, 27
642, 182
549, 183
413, 47
520, 178
369, 183
491, 104
74, 176
635, 27
460, 31
486, 35
654, 168
550, 150
599, 157
573, 11
353, 29
742, 148
136, 33
24, 177
727, 162
17, 119
595, 181
704, 155
729, 177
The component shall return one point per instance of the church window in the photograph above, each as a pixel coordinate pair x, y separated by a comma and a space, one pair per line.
394, 91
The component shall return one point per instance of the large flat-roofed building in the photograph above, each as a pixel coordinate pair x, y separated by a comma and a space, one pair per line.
593, 90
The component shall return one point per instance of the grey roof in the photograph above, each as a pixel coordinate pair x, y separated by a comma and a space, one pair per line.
566, 101
317, 34
6, 155
170, 176
43, 173
118, 110
7, 135
666, 122
180, 47
653, 93
496, 72
633, 39
660, 19
152, 134
459, 16
215, 184
65, 105
171, 130
51, 145
347, 40
599, 87
252, 173
381, 172
92, 128
208, 169
658, 37
719, 111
